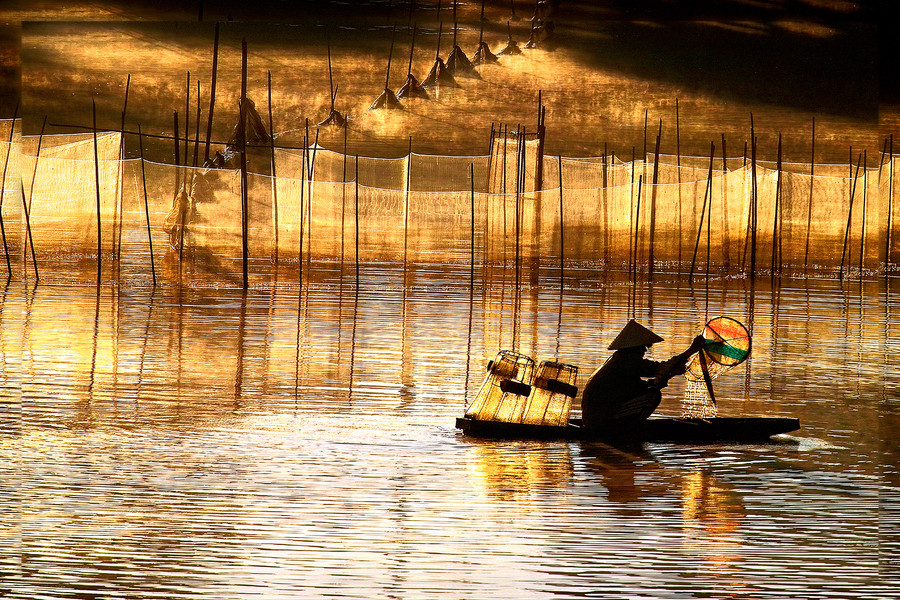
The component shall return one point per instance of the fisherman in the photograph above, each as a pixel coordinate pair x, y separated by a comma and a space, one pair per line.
625, 390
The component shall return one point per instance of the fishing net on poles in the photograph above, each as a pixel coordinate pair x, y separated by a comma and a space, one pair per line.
726, 345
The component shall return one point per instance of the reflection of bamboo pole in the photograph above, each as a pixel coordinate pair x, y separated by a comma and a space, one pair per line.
30, 238
12, 129
812, 179
212, 92
146, 206
97, 185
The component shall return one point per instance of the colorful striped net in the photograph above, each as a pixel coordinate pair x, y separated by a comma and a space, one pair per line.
727, 344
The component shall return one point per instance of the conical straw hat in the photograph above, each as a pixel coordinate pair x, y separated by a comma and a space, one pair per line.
632, 335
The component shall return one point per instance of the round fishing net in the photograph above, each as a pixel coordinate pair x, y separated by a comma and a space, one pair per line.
727, 344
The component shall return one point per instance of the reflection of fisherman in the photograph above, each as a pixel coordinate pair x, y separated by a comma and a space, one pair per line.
181, 213
616, 397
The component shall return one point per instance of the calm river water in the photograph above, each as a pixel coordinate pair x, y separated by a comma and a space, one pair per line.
301, 444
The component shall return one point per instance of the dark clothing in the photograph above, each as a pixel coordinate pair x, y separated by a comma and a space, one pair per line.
616, 395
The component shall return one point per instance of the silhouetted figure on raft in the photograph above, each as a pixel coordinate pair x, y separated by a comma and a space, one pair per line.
411, 89
623, 392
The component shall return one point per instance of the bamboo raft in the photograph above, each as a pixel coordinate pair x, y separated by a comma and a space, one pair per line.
678, 430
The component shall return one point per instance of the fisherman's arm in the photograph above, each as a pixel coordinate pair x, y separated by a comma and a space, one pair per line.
676, 365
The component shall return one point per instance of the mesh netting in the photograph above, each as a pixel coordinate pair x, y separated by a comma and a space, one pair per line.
420, 208
726, 344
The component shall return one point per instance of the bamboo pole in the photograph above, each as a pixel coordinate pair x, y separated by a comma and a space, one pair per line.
146, 205
706, 195
343, 199
406, 200
37, 160
562, 242
812, 179
472, 256
122, 156
272, 154
539, 170
244, 199
97, 185
753, 200
865, 201
637, 221
187, 125
520, 142
890, 208
309, 199
850, 210
726, 237
30, 237
176, 138
184, 186
653, 204
212, 92
776, 237
12, 129
678, 173
356, 215
197, 130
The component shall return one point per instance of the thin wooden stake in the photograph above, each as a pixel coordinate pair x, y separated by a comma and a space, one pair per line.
356, 215
849, 212
187, 125
562, 242
12, 129
653, 204
244, 199
37, 160
472, 256
706, 195
146, 205
890, 208
637, 221
865, 200
30, 237
212, 93
274, 178
197, 130
776, 238
97, 185
812, 179
177, 139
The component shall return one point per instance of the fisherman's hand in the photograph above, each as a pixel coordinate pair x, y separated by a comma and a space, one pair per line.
697, 344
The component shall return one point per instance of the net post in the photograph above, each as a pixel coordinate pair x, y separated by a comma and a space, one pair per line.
146, 206
12, 129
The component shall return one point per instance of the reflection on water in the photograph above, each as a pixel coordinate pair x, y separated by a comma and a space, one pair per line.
300, 443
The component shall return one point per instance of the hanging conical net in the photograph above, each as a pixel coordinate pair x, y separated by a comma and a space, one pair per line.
727, 344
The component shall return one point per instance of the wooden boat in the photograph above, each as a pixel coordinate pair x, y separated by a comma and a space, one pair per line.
717, 429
